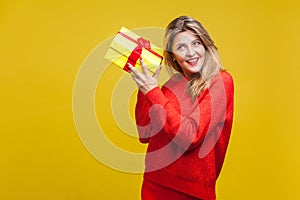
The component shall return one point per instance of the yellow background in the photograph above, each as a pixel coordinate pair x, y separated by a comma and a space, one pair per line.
43, 44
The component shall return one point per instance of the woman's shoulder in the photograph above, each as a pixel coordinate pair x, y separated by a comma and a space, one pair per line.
226, 77
225, 74
223, 79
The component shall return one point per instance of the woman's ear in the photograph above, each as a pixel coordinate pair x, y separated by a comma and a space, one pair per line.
174, 60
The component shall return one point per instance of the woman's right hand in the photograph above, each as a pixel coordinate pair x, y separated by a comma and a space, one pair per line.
144, 81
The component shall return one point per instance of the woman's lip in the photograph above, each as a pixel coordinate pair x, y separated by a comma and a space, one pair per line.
192, 61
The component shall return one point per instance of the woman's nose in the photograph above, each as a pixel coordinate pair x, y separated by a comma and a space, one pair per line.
190, 51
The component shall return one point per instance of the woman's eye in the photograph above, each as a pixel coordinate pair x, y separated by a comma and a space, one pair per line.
197, 43
180, 47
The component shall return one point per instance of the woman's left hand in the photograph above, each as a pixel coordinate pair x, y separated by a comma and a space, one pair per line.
144, 81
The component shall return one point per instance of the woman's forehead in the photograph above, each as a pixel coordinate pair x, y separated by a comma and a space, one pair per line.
185, 37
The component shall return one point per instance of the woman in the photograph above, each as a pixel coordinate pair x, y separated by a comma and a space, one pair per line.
187, 122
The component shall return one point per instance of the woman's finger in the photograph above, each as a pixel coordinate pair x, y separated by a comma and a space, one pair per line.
157, 72
144, 68
133, 70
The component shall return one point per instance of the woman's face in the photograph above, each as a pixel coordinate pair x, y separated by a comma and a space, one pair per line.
189, 52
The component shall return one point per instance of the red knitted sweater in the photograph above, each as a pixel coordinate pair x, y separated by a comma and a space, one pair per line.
187, 139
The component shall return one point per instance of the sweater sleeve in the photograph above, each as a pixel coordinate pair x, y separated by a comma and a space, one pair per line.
142, 117
209, 113
146, 123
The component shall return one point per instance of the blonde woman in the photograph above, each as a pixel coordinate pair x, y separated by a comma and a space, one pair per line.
187, 122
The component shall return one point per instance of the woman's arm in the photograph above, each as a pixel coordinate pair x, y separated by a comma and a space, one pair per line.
142, 117
145, 83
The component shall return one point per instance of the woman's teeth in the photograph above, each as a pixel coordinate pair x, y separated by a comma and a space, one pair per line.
192, 61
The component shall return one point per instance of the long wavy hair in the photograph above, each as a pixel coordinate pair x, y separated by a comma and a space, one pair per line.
211, 65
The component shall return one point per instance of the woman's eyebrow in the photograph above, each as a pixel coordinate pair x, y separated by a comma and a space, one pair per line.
197, 39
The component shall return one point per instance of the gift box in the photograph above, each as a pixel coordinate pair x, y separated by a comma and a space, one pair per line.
128, 47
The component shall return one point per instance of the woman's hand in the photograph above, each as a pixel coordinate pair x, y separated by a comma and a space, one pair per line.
144, 81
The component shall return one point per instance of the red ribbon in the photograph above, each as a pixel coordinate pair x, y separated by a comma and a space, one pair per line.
137, 51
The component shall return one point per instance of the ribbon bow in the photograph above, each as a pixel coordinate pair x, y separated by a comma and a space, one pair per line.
137, 51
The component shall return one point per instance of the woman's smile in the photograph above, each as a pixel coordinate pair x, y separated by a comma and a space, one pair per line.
192, 61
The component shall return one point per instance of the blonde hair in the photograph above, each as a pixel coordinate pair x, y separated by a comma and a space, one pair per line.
211, 65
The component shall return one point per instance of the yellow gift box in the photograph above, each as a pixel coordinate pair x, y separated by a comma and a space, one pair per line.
128, 47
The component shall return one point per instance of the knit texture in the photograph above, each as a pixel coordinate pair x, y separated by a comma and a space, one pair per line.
187, 140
